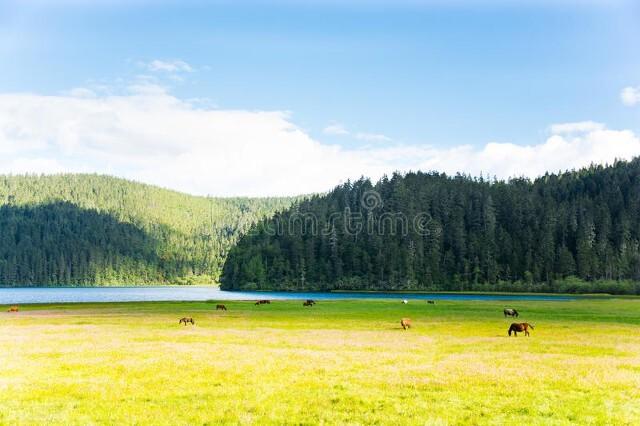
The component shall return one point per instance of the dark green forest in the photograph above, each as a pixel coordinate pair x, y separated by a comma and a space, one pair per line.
577, 231
75, 229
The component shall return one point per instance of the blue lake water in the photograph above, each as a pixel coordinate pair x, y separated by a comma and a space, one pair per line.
195, 293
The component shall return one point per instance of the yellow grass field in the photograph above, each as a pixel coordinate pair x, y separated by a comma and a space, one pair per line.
339, 362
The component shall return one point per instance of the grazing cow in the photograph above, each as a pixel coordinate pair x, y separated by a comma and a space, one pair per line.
186, 320
263, 302
405, 301
431, 302
221, 308
405, 323
520, 327
311, 301
510, 312
13, 309
308, 303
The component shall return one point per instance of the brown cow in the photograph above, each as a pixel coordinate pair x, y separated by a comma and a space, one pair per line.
13, 309
221, 308
520, 327
186, 320
263, 302
405, 323
307, 303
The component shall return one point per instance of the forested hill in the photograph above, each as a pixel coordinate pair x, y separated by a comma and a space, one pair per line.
78, 229
576, 231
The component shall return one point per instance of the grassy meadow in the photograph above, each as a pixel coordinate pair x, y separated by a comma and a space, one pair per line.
339, 362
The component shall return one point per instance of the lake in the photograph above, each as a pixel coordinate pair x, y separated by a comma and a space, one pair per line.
195, 293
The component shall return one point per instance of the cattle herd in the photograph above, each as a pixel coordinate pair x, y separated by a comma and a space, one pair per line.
405, 323
515, 327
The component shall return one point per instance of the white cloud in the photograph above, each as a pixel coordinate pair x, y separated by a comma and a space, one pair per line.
82, 92
169, 66
149, 135
335, 129
559, 152
576, 127
630, 96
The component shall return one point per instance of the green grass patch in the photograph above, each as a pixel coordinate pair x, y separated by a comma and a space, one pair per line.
339, 362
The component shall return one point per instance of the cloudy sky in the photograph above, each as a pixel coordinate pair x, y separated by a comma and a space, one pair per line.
282, 97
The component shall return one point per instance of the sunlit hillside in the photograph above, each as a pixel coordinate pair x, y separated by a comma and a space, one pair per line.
79, 229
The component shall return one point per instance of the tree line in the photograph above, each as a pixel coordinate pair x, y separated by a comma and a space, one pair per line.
577, 231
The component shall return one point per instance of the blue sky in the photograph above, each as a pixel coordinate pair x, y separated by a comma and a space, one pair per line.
384, 74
